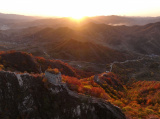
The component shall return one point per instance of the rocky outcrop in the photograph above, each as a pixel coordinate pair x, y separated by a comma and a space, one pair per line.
53, 78
25, 96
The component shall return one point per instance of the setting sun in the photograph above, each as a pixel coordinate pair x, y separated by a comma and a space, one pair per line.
76, 17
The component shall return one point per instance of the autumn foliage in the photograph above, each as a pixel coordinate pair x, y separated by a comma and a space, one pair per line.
85, 86
54, 71
26, 62
138, 100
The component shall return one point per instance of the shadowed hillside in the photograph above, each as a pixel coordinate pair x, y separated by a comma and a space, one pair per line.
85, 51
25, 62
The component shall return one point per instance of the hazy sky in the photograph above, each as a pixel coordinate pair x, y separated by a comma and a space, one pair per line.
79, 8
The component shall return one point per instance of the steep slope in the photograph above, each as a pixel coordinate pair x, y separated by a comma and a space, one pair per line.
85, 51
22, 61
138, 39
145, 39
25, 96
54, 35
26, 62
135, 39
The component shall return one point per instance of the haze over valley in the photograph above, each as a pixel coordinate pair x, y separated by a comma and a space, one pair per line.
80, 63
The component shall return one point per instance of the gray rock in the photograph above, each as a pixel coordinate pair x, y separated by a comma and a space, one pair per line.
25, 96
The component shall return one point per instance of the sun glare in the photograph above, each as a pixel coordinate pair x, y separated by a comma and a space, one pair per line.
78, 15
77, 18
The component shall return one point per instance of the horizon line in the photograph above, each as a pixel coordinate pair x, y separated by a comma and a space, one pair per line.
47, 16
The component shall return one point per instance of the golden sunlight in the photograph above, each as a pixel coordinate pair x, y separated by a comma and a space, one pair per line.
78, 9
76, 17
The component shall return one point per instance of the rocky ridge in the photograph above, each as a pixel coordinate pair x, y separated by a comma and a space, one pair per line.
26, 96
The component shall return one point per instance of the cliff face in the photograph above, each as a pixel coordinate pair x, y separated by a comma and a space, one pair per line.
26, 96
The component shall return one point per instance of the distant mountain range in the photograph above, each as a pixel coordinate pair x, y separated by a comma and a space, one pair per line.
21, 21
16, 16
89, 42
92, 40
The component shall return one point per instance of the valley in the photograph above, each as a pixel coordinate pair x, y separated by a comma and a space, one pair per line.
109, 67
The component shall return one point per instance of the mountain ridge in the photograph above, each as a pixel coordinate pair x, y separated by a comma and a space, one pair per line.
23, 100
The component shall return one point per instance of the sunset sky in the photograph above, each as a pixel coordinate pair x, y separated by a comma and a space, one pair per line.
80, 8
